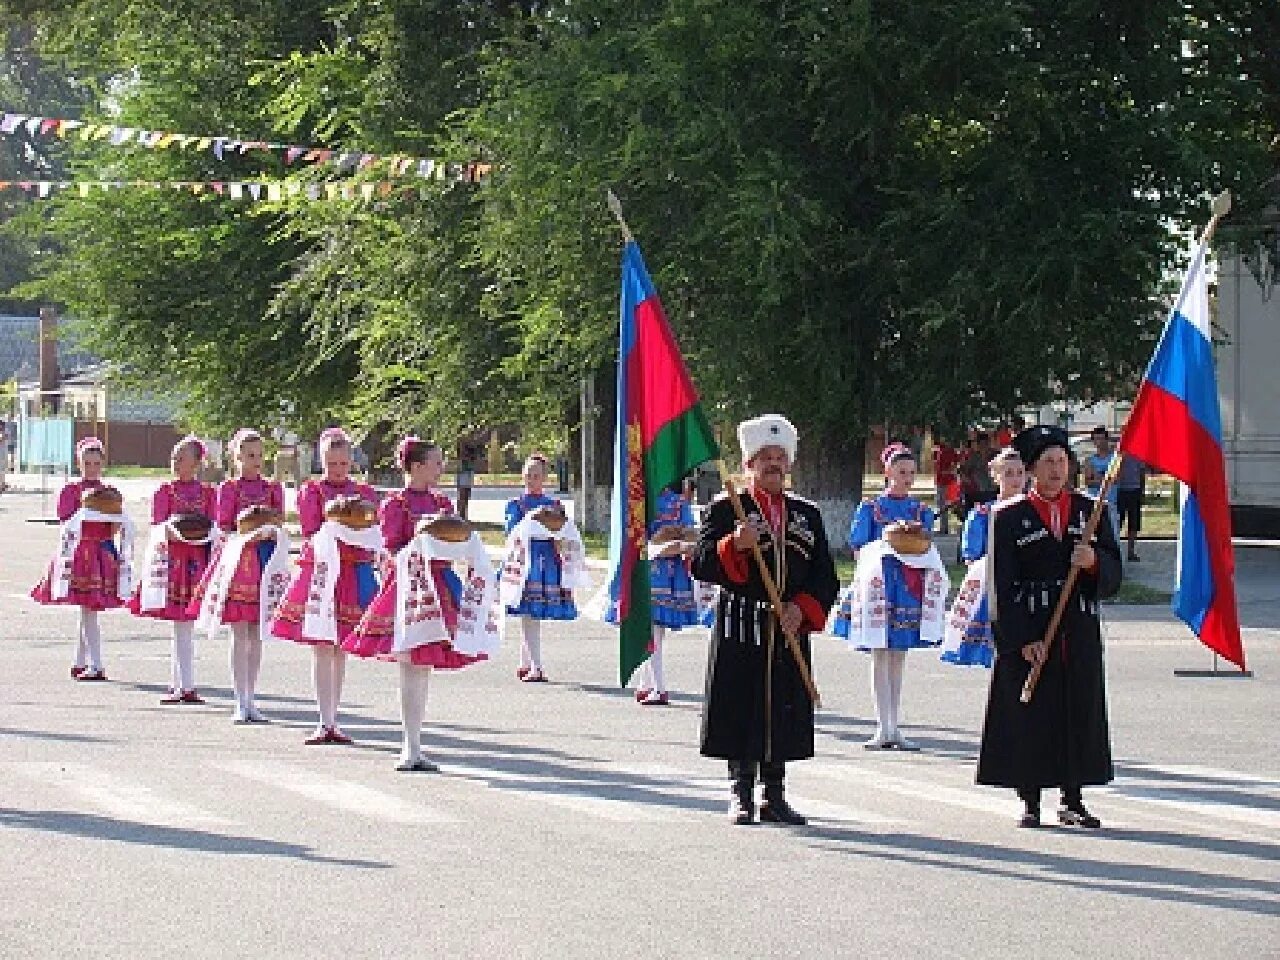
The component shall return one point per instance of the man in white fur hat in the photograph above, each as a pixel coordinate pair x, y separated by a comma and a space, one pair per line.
757, 712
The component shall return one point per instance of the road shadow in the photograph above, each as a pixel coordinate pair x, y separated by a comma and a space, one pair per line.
525, 769
1227, 891
55, 737
178, 838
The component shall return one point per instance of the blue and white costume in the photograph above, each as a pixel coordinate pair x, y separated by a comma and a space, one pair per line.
969, 638
674, 599
545, 597
896, 601
903, 585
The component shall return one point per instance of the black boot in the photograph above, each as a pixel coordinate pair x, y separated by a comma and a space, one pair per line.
742, 789
1030, 797
775, 808
1072, 813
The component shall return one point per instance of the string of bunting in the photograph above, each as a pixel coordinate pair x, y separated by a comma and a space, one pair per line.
15, 124
257, 190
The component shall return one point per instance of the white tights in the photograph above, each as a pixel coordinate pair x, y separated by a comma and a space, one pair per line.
328, 670
246, 663
89, 649
183, 656
651, 673
530, 643
887, 668
413, 706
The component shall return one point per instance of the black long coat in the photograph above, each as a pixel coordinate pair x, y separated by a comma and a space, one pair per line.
1060, 738
757, 708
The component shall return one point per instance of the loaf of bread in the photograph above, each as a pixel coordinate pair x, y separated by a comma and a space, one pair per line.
352, 511
252, 519
103, 500
446, 527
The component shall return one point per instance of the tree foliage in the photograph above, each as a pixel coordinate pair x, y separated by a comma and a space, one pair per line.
856, 213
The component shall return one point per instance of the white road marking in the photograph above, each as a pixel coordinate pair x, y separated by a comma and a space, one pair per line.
717, 788
1207, 773
345, 796
118, 797
1164, 799
580, 796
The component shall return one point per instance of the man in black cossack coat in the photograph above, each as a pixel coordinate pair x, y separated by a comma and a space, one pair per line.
757, 712
1059, 739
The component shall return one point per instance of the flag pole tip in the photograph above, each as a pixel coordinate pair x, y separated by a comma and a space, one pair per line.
615, 207
1222, 204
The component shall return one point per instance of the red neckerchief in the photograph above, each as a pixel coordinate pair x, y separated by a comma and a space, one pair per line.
773, 506
1052, 512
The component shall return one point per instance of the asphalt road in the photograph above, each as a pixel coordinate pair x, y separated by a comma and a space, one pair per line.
570, 822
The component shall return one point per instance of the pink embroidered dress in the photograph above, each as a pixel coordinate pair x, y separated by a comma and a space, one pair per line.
95, 567
375, 635
187, 561
355, 587
243, 596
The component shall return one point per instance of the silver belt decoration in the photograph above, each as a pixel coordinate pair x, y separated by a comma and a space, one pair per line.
741, 613
1038, 595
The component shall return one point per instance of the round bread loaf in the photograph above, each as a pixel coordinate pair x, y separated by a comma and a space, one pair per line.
446, 527
256, 517
192, 527
103, 500
675, 533
352, 511
552, 517
907, 538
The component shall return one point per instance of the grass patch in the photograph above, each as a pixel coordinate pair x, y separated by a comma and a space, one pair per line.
125, 471
1132, 593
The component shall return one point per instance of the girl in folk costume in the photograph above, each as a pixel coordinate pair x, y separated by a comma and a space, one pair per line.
244, 577
334, 582
896, 600
418, 651
672, 538
88, 571
969, 640
545, 596
177, 556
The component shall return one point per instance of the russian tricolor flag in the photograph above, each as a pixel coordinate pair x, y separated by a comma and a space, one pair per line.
1175, 427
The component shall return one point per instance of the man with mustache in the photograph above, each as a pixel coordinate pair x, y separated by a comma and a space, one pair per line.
1059, 739
757, 713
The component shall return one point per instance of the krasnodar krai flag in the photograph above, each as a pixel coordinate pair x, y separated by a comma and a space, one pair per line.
661, 434
1175, 427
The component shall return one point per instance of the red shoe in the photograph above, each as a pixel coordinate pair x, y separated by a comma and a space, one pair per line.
76, 671
190, 696
521, 673
656, 699
92, 675
337, 736
642, 695
534, 676
319, 737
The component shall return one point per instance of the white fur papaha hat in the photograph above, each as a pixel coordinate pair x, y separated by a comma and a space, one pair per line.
770, 430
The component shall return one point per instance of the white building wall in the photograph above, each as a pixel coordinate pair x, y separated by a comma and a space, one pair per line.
1249, 383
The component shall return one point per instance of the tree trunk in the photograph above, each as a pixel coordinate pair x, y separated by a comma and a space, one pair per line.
829, 471
592, 498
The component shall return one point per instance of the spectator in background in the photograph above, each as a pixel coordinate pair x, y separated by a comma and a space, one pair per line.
915, 442
1004, 435
975, 473
946, 459
466, 478
1131, 480
1095, 467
